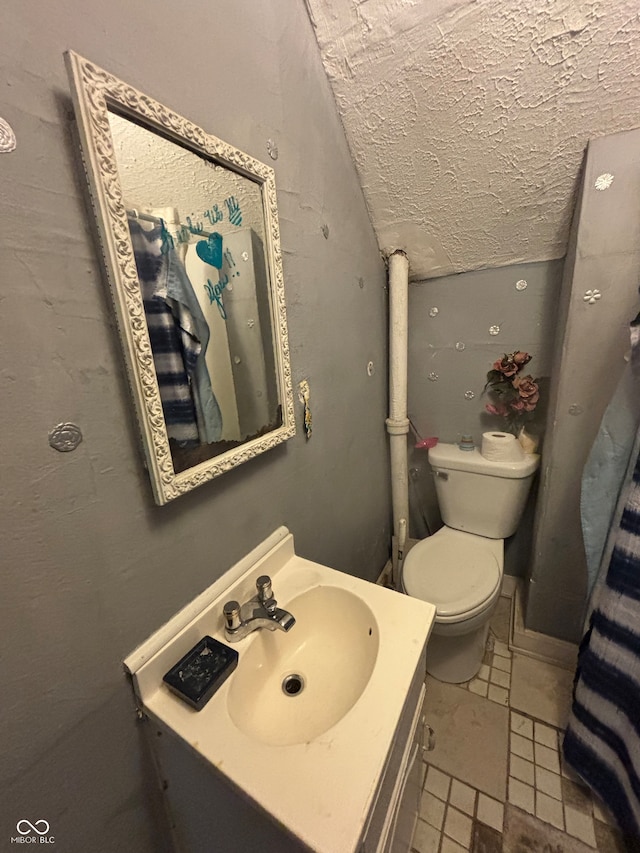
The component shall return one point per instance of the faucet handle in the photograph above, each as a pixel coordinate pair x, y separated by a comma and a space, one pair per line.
231, 613
263, 585
265, 593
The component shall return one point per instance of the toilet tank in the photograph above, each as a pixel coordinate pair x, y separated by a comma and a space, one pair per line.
478, 495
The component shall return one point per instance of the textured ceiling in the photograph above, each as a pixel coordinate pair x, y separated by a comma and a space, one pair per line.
468, 119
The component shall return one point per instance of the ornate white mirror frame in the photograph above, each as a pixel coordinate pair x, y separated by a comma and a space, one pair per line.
95, 94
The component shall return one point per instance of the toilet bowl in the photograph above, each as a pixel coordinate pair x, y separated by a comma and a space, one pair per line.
459, 569
461, 574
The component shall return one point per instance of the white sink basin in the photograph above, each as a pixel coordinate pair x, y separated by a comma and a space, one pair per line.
311, 761
291, 687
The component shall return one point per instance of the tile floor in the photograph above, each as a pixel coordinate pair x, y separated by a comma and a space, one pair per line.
494, 678
496, 782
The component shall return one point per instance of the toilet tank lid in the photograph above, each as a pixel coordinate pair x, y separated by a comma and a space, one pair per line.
449, 456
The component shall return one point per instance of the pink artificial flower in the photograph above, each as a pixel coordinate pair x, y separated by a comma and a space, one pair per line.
498, 409
506, 365
528, 390
512, 394
521, 358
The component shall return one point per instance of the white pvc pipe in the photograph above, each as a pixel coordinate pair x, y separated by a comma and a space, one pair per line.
398, 422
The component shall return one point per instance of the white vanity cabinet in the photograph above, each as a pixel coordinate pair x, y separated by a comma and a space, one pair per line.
395, 810
207, 815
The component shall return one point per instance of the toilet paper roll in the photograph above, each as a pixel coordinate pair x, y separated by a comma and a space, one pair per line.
501, 447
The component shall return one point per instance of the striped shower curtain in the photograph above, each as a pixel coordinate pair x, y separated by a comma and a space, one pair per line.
602, 742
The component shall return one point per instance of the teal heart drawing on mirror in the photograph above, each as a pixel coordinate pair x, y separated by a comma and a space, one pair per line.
210, 250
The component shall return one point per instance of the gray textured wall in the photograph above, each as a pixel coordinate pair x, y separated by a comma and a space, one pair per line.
593, 337
90, 565
468, 305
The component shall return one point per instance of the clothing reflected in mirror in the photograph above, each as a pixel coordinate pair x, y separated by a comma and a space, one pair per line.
197, 233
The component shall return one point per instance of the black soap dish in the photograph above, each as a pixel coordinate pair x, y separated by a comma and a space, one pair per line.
197, 676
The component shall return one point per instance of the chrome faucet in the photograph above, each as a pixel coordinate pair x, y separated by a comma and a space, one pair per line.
261, 611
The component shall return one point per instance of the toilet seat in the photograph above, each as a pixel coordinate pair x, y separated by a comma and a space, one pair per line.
460, 573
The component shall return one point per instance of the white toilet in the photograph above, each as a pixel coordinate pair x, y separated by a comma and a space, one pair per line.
459, 568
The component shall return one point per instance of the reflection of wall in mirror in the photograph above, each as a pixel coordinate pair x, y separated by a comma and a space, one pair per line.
218, 356
249, 326
240, 354
156, 172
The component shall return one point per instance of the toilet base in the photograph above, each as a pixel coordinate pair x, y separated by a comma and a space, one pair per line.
455, 659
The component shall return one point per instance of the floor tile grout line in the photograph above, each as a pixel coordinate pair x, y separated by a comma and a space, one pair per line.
505, 701
511, 753
474, 818
538, 791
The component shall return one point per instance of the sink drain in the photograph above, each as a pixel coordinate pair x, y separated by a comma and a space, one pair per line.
293, 684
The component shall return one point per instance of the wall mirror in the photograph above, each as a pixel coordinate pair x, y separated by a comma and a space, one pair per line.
188, 227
